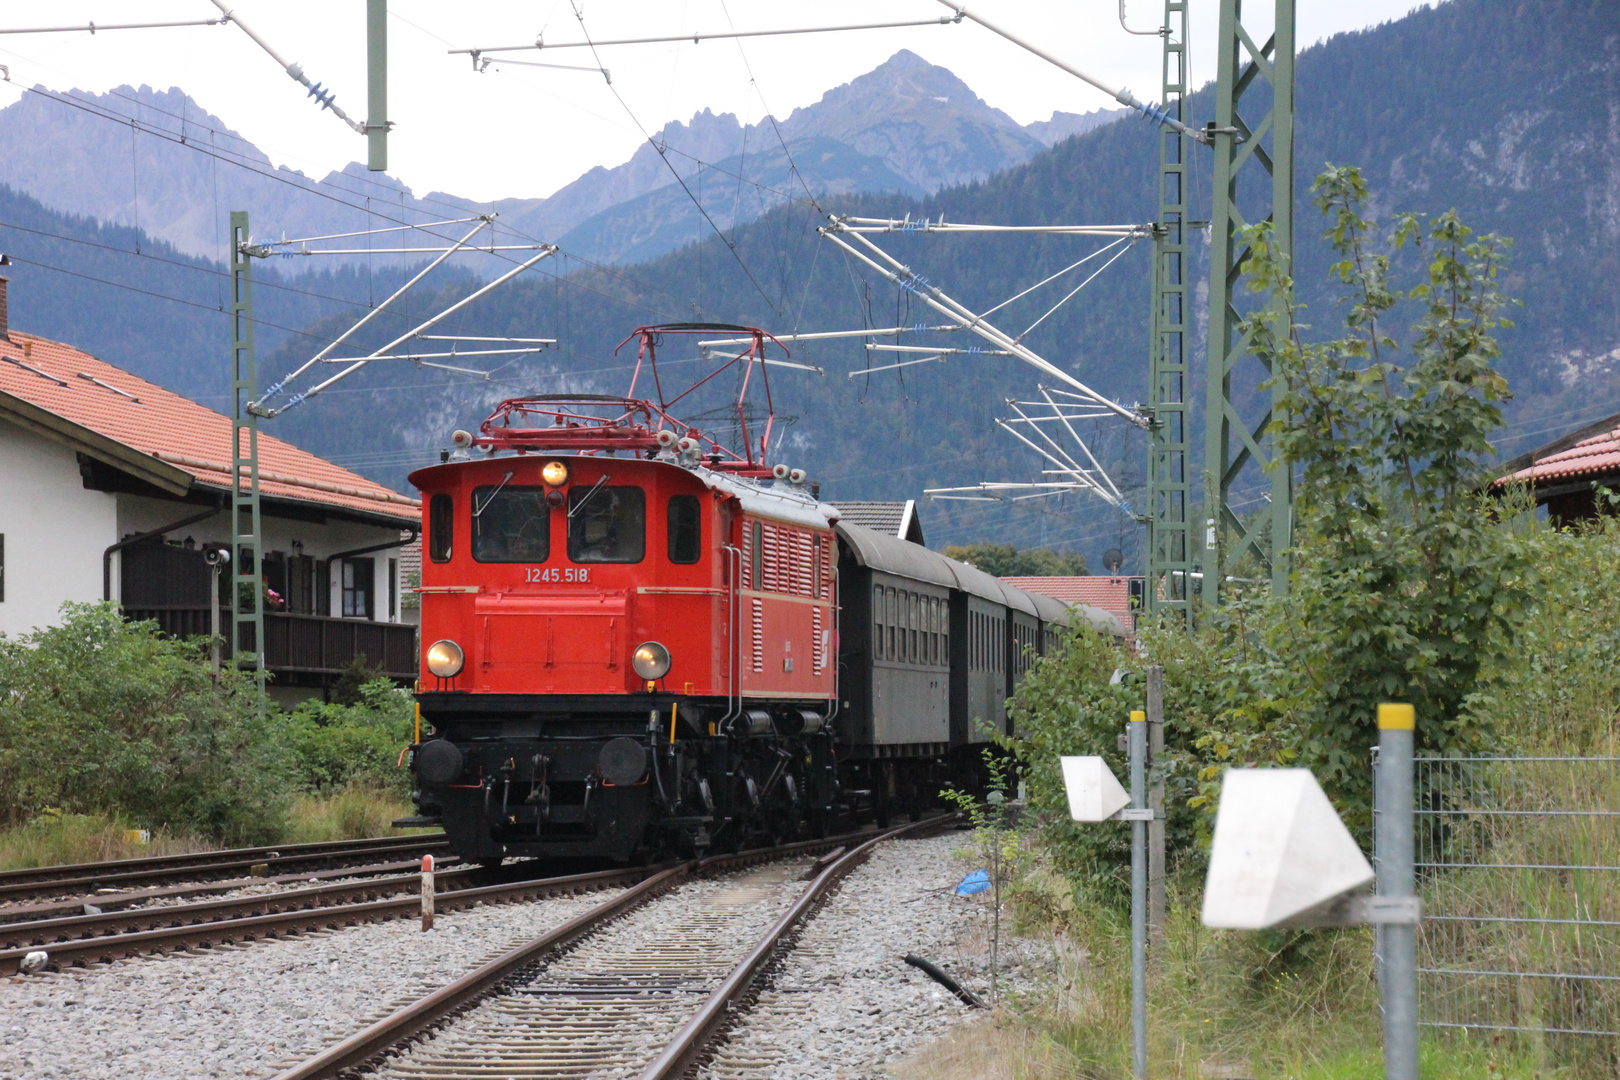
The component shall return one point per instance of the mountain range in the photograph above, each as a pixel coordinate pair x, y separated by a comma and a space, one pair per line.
1508, 113
907, 127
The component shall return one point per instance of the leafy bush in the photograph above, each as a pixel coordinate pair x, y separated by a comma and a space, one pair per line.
98, 715
335, 745
1405, 587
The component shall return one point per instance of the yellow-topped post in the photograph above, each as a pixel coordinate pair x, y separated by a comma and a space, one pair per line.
1396, 877
1137, 742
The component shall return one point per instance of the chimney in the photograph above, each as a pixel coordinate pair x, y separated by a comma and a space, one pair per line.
5, 321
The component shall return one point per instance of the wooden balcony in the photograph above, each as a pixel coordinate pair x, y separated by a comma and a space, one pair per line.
300, 649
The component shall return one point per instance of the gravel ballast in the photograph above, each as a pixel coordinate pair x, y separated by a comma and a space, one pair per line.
841, 1005
844, 1003
245, 1012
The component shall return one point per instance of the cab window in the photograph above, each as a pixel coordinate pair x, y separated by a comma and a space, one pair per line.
441, 527
607, 524
510, 524
685, 531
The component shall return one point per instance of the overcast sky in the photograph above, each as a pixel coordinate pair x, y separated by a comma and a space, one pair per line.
515, 131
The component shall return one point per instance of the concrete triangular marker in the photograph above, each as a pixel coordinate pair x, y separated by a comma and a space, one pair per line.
1280, 851
1094, 793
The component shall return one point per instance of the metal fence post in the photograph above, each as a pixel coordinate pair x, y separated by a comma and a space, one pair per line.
1156, 868
1138, 756
1396, 878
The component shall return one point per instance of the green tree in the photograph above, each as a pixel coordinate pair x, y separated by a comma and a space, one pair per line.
102, 715
1404, 585
1004, 560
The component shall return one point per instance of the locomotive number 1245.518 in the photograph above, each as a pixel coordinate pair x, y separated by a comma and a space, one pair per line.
554, 573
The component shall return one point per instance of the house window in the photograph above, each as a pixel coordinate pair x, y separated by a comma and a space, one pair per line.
358, 580
685, 530
393, 589
441, 527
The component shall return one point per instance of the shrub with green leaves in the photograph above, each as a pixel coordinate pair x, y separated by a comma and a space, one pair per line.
1405, 584
102, 715
334, 745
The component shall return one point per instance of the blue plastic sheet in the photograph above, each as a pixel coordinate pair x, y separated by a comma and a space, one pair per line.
975, 883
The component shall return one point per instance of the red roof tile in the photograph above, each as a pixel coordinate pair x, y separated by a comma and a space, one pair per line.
1595, 456
176, 431
1111, 594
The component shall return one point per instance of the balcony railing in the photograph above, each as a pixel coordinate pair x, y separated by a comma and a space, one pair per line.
305, 645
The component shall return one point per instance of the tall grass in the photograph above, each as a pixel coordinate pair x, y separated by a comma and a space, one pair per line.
52, 839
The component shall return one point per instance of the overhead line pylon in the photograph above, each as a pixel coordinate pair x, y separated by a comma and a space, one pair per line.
1246, 142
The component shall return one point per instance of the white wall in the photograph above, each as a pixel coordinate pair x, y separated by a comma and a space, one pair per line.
55, 530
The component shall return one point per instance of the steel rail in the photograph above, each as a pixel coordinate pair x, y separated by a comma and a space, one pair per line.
158, 862
117, 901
231, 931
411, 1020
60, 880
683, 1050
48, 933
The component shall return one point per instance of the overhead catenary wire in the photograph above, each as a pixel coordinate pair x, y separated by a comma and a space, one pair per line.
696, 37
322, 96
99, 28
1156, 113
679, 179
900, 274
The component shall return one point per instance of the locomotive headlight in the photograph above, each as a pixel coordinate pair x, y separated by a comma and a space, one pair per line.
650, 660
444, 658
554, 473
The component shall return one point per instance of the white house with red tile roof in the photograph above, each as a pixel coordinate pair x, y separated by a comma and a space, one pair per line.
1564, 475
111, 487
1117, 595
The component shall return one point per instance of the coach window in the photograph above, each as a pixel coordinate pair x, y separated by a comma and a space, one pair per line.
685, 530
911, 628
510, 524
607, 524
891, 625
441, 527
933, 629
877, 622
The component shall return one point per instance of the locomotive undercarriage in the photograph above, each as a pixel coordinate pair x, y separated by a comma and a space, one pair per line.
532, 776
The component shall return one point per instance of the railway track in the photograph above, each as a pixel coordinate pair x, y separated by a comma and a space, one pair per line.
161, 870
107, 936
639, 985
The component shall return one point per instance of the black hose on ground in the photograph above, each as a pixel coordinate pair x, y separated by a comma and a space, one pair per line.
966, 996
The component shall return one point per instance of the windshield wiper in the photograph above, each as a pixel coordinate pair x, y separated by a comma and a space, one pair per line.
479, 510
577, 507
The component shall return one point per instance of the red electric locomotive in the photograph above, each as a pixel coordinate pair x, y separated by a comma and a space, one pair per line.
630, 631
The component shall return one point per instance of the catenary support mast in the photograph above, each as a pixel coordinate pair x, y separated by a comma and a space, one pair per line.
247, 594
1253, 141
1169, 562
